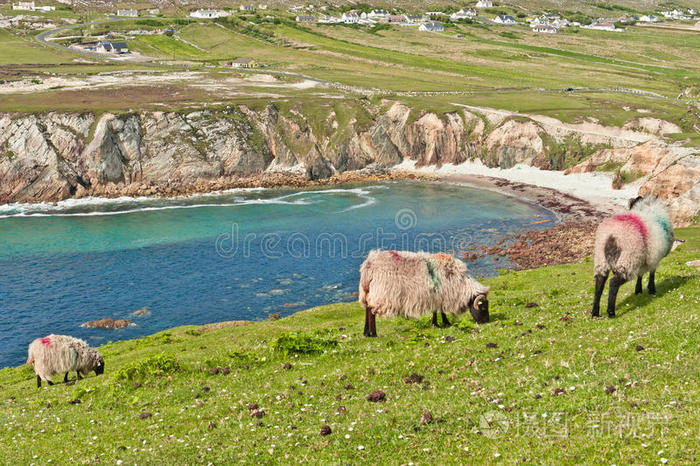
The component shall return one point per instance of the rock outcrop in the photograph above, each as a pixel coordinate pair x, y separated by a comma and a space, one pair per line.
670, 172
54, 156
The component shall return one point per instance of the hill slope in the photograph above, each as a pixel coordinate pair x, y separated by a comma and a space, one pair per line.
542, 383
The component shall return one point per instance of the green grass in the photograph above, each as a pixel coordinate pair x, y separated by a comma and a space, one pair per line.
630, 390
171, 47
18, 50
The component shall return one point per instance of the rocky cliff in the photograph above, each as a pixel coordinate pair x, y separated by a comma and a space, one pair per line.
53, 156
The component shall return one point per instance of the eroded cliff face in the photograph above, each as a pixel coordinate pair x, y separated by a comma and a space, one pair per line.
54, 156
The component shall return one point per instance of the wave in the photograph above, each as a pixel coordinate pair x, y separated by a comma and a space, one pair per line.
97, 206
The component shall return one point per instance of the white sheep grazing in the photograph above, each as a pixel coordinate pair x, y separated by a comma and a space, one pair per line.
411, 284
629, 245
57, 354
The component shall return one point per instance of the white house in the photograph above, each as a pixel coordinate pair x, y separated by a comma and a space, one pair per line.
463, 14
305, 19
154, 11
431, 26
484, 4
24, 6
504, 19
105, 46
648, 19
350, 18
247, 8
603, 26
208, 14
413, 19
544, 28
378, 14
130, 13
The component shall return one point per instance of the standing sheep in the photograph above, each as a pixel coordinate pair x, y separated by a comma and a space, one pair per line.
56, 354
411, 284
631, 244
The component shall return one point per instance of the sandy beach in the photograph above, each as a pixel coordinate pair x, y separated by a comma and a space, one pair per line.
580, 201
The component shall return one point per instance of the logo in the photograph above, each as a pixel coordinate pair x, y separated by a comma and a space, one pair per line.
493, 424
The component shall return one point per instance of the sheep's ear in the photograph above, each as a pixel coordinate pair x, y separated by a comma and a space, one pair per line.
633, 201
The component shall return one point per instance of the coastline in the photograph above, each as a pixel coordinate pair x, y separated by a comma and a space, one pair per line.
578, 201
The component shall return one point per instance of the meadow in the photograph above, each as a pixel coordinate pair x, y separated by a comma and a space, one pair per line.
501, 67
541, 383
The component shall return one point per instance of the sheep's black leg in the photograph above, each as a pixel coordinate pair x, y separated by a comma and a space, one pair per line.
367, 314
435, 322
79, 376
50, 382
599, 286
65, 378
372, 325
38, 381
615, 282
638, 287
445, 321
652, 284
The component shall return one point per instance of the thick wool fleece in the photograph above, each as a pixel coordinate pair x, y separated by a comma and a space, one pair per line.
633, 243
58, 354
411, 284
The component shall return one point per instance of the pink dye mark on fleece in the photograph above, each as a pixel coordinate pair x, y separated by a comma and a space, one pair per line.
395, 255
46, 341
634, 222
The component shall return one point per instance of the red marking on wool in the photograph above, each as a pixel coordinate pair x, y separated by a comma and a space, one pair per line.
45, 341
443, 257
633, 221
395, 255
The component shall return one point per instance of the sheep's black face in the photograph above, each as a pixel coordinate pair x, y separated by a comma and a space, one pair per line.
480, 309
100, 368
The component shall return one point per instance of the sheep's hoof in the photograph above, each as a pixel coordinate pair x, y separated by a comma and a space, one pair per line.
611, 315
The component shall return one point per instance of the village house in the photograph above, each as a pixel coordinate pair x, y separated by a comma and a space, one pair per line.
247, 8
504, 19
350, 18
154, 11
130, 13
463, 14
244, 63
24, 6
602, 26
484, 4
544, 28
377, 14
431, 26
105, 46
648, 19
208, 14
414, 19
262, 6
305, 19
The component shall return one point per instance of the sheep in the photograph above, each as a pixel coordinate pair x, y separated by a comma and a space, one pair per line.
62, 353
411, 284
629, 245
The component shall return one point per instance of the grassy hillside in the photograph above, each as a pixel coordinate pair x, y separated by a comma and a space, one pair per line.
541, 383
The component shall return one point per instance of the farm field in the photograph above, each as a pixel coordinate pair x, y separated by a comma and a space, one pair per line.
499, 67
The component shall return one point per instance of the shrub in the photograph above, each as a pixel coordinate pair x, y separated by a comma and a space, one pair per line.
153, 366
304, 343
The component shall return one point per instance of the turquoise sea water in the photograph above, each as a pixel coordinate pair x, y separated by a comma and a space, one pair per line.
238, 255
